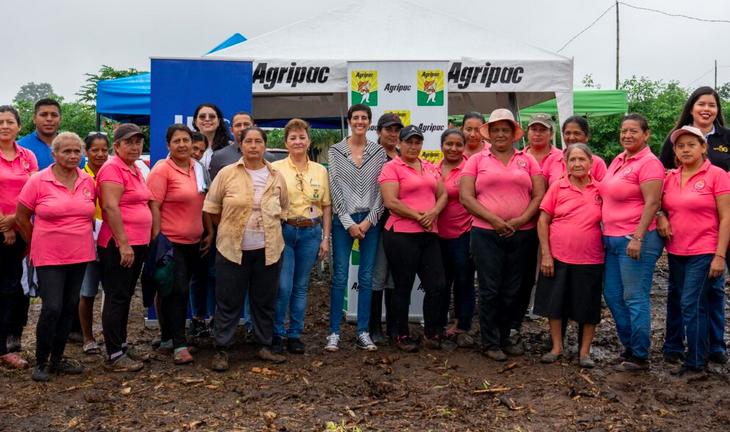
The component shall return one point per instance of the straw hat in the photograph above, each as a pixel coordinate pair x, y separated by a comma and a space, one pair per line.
502, 114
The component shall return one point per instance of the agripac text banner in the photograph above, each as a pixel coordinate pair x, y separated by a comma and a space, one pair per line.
416, 91
180, 85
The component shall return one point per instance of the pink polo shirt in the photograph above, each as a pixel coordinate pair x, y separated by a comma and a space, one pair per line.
13, 176
64, 221
136, 216
505, 191
575, 231
553, 150
417, 191
620, 189
454, 220
554, 167
181, 214
692, 209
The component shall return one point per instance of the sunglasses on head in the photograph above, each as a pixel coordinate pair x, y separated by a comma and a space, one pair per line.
95, 133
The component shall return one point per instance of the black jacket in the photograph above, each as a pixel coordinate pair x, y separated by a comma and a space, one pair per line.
718, 149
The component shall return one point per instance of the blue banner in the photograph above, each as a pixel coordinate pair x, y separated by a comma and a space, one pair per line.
179, 86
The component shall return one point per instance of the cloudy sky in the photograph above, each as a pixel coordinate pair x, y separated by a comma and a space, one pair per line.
59, 41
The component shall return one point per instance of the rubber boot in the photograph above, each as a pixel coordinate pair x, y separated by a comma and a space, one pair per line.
391, 327
376, 317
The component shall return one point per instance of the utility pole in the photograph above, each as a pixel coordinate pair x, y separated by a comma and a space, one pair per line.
618, 44
715, 75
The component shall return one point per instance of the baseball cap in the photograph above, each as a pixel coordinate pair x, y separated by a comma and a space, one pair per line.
686, 130
126, 131
410, 131
543, 119
389, 119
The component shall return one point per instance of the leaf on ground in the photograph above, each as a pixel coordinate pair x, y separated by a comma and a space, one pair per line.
126, 390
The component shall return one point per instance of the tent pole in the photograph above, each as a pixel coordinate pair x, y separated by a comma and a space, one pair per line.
98, 122
342, 118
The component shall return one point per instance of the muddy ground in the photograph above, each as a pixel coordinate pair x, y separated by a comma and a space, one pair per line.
382, 391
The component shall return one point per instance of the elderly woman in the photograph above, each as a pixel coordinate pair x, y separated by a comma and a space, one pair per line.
306, 233
415, 195
697, 230
123, 242
571, 265
454, 224
355, 164
177, 214
703, 110
248, 201
61, 238
17, 164
631, 192
502, 187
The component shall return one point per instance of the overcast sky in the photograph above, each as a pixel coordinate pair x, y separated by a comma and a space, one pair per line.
59, 41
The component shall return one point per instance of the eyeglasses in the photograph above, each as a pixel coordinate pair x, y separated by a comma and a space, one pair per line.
95, 133
300, 184
203, 116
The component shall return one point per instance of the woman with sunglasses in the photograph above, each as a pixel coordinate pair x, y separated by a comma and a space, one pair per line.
306, 233
208, 120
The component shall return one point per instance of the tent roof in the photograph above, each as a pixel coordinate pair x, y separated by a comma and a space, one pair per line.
589, 103
236, 39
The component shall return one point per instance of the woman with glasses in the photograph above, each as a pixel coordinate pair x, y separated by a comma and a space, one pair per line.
208, 120
306, 233
97, 152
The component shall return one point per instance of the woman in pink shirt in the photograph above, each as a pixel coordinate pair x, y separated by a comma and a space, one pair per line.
502, 187
414, 193
470, 124
575, 130
454, 231
697, 230
571, 279
17, 164
631, 193
63, 201
123, 241
177, 214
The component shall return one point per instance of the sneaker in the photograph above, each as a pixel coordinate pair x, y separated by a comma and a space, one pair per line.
295, 345
438, 343
277, 345
14, 361
156, 341
197, 328
211, 328
136, 354
124, 363
623, 356
407, 344
689, 371
166, 348
673, 357
182, 357
363, 342
220, 362
13, 343
513, 350
633, 364
65, 367
333, 343
718, 357
495, 354
40, 372
266, 354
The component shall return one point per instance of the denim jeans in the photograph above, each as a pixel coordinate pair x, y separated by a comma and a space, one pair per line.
202, 285
301, 247
459, 272
341, 249
627, 288
689, 275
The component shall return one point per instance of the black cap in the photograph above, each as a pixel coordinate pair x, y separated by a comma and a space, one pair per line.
389, 119
410, 131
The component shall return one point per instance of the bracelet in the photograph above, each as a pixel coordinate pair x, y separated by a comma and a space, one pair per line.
661, 213
638, 239
721, 256
325, 237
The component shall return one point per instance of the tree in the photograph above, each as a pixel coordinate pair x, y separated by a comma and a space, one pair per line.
87, 94
32, 92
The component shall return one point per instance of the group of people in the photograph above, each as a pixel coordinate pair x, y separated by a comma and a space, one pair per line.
218, 228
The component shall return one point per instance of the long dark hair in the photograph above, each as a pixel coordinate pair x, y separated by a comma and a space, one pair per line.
221, 137
685, 118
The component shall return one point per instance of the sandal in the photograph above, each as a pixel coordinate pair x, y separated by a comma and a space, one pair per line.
14, 361
92, 348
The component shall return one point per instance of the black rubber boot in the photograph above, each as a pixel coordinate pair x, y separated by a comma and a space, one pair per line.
391, 327
376, 313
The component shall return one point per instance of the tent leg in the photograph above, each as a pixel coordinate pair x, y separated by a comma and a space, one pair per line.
98, 122
342, 118
512, 105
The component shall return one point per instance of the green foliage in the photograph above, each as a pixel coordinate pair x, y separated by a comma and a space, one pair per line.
322, 139
75, 117
32, 92
87, 94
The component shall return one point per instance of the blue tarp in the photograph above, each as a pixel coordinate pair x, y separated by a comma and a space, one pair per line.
128, 99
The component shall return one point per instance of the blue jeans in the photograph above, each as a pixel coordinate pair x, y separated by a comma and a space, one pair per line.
459, 272
341, 249
202, 286
301, 247
691, 287
627, 287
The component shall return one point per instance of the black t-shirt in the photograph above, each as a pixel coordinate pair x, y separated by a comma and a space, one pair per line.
718, 150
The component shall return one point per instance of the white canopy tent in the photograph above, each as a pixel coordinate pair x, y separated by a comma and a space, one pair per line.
301, 70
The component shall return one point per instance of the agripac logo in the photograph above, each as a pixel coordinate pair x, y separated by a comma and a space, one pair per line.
364, 87
289, 76
430, 88
487, 75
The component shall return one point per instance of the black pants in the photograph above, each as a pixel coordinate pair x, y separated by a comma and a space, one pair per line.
11, 271
411, 254
500, 265
174, 307
529, 276
233, 282
119, 284
59, 287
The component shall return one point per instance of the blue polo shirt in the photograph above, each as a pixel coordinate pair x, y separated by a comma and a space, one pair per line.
41, 151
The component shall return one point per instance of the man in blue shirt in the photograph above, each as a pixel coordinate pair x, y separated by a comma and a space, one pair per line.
47, 119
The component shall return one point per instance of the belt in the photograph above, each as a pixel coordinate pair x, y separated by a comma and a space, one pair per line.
304, 222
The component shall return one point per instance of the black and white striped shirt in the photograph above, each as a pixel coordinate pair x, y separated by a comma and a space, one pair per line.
355, 189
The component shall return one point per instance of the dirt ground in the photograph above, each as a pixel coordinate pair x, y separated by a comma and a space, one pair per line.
383, 391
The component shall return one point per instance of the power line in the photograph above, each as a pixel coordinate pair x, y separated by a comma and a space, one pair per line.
584, 30
676, 15
704, 74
